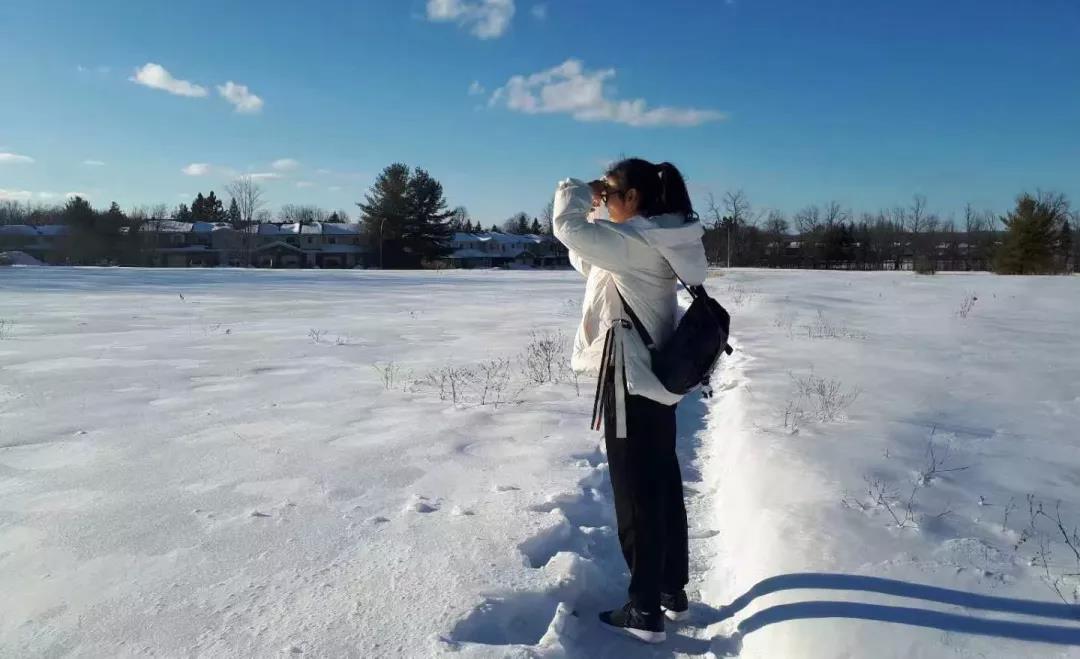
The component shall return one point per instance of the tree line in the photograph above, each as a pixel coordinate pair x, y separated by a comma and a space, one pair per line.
407, 224
1039, 235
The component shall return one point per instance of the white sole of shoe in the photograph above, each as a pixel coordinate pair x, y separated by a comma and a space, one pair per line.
640, 634
677, 615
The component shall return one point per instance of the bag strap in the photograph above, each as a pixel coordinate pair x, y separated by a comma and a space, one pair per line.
637, 321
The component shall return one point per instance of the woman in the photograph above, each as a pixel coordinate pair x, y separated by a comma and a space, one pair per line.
630, 263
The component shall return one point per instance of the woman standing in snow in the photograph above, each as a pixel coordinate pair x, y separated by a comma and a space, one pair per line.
630, 263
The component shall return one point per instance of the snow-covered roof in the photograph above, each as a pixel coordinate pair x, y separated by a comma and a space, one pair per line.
337, 229
18, 230
208, 227
502, 238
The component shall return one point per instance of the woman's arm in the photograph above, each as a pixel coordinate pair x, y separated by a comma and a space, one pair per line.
580, 264
595, 244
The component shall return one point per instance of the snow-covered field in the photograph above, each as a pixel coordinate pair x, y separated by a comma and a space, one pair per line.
226, 463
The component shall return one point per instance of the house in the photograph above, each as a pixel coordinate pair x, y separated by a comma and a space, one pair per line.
490, 249
295, 245
43, 242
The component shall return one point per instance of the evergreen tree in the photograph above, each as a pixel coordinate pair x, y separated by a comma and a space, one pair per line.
215, 211
495, 229
334, 218
182, 213
467, 227
384, 210
1033, 230
85, 244
114, 213
234, 215
536, 229
208, 209
198, 208
426, 233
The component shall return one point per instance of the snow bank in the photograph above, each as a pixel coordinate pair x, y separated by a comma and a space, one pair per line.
834, 520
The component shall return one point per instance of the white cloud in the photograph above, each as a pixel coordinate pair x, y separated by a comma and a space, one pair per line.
197, 169
14, 159
15, 195
304, 184
323, 171
155, 76
285, 164
539, 12
265, 176
334, 188
72, 195
476, 89
46, 195
93, 163
485, 19
570, 89
100, 70
241, 97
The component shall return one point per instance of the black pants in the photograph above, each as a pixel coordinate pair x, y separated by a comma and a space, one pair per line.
649, 504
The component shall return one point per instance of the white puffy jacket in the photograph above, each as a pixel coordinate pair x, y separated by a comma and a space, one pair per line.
637, 256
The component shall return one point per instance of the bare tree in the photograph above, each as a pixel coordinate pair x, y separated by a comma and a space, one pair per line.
834, 214
919, 219
973, 221
458, 217
248, 196
547, 214
808, 220
921, 223
737, 207
304, 214
776, 228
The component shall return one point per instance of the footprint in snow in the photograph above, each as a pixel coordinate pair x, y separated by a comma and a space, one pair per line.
506, 488
420, 504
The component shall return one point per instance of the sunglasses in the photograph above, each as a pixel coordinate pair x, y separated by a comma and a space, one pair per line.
607, 192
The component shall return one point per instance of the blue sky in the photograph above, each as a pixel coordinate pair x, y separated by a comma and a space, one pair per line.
795, 102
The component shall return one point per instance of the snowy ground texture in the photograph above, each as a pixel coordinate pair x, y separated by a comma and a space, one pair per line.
210, 463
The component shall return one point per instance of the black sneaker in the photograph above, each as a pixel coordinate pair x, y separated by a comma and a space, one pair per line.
647, 627
675, 605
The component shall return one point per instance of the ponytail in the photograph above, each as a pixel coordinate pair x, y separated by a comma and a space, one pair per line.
674, 197
661, 188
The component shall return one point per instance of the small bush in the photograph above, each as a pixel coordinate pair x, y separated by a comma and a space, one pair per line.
967, 305
543, 359
828, 396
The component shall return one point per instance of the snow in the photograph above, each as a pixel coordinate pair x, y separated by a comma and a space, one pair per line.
18, 258
208, 463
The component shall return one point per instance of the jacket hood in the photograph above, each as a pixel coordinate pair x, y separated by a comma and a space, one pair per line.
679, 241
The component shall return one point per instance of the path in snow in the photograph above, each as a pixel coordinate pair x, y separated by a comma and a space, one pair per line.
581, 550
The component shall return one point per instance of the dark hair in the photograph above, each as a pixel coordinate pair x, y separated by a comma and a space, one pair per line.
661, 188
